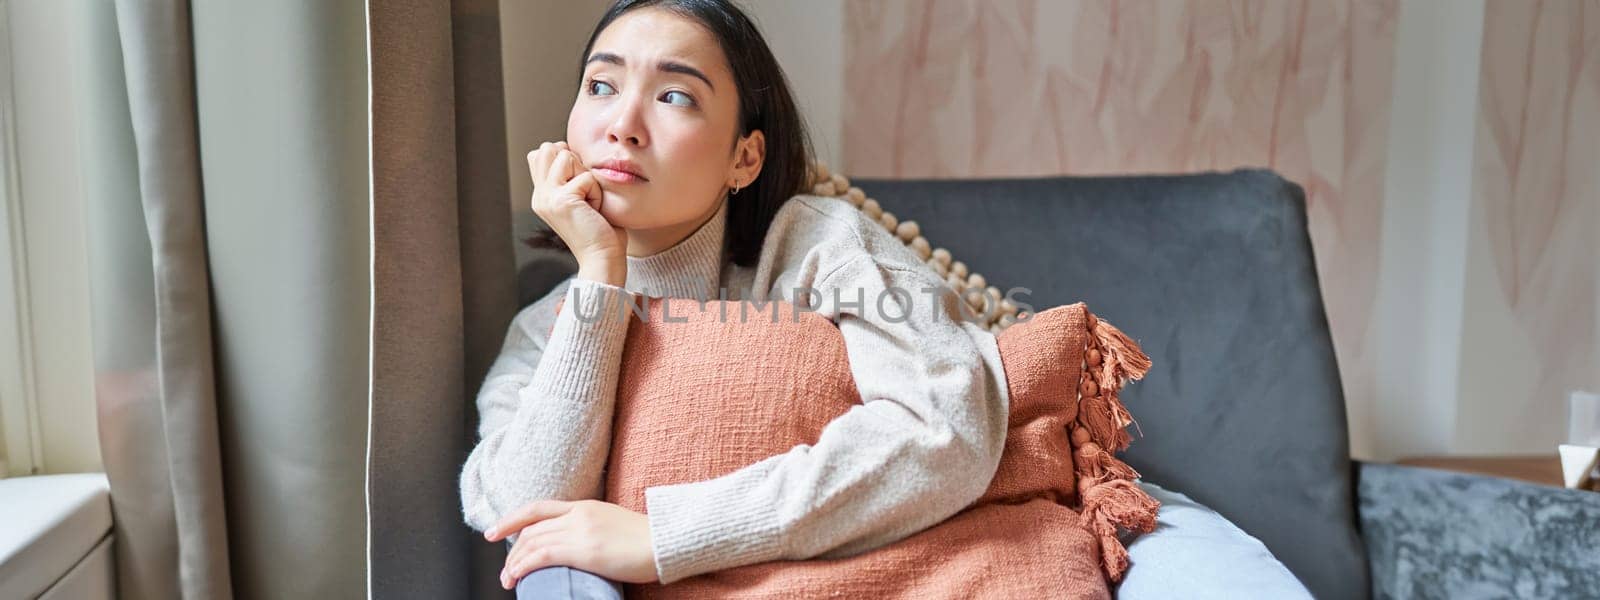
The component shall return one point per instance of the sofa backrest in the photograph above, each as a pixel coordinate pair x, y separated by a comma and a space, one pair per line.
1213, 275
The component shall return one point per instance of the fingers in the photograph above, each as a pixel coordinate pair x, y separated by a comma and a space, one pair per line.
575, 165
528, 514
565, 167
533, 536
539, 162
538, 558
542, 159
561, 169
586, 185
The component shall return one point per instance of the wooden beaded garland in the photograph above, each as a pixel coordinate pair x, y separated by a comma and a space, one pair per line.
974, 298
995, 312
871, 208
840, 183
888, 220
819, 172
990, 309
855, 196
977, 281
907, 231
919, 245
956, 283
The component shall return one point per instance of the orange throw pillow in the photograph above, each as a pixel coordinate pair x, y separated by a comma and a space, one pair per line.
1046, 527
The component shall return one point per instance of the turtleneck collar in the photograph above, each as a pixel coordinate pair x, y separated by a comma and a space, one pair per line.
692, 268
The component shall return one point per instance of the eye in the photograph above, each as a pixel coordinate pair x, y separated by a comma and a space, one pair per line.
593, 83
687, 100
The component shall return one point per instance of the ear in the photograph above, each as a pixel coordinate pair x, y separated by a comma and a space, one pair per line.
748, 155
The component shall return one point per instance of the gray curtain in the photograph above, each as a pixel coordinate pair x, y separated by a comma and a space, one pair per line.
322, 319
443, 285
243, 474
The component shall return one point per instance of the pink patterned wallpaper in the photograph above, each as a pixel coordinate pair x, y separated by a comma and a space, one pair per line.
1537, 184
955, 88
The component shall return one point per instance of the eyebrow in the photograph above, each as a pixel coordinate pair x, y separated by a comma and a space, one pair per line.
667, 66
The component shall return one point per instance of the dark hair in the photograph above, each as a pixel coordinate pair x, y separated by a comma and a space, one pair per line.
765, 103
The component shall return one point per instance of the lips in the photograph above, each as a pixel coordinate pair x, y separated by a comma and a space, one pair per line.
620, 171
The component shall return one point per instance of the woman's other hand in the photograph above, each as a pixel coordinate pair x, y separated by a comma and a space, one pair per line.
599, 537
567, 197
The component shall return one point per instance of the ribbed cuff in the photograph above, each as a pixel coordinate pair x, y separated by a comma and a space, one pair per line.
586, 340
710, 525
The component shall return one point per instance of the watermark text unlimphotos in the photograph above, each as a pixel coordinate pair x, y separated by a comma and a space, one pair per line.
891, 304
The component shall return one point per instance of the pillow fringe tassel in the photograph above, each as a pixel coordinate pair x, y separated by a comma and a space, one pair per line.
1109, 499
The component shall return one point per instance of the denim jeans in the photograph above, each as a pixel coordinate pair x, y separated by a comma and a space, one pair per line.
566, 583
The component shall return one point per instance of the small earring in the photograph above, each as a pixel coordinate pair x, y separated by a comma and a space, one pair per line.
735, 191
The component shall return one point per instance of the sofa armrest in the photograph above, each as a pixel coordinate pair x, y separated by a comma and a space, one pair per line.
1432, 533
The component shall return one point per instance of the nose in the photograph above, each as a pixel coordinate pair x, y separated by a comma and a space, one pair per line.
627, 126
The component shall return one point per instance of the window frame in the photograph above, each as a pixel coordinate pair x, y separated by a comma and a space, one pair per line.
19, 407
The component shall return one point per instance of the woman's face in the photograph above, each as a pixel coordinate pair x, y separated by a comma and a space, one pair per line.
657, 92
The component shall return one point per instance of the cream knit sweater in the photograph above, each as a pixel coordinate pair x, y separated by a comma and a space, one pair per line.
923, 445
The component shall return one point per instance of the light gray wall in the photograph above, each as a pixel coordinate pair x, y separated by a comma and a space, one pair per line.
541, 41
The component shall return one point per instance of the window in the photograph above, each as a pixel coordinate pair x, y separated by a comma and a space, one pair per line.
19, 449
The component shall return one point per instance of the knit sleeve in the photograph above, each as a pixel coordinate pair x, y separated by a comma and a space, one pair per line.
545, 406
924, 443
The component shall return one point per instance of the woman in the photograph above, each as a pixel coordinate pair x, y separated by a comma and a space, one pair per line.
679, 178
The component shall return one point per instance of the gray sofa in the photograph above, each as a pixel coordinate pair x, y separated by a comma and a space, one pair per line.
1243, 411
